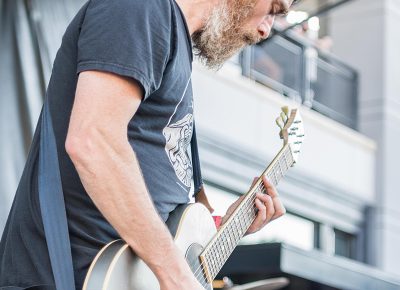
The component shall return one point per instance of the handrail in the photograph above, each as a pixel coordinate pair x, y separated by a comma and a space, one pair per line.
320, 80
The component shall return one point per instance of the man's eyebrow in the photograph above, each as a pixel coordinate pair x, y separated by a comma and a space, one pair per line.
279, 7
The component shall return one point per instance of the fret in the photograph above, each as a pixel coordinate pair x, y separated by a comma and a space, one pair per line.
239, 230
286, 160
215, 260
220, 253
242, 226
248, 205
212, 268
243, 221
230, 240
277, 173
274, 174
225, 248
291, 159
218, 260
211, 263
269, 176
280, 167
232, 236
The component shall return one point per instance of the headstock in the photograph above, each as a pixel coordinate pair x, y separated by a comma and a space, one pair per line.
292, 130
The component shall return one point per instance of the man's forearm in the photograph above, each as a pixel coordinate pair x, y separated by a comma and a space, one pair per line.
112, 177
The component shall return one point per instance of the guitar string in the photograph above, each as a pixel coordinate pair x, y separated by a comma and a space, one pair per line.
199, 273
249, 207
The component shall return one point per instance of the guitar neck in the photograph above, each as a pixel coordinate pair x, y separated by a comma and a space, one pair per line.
222, 245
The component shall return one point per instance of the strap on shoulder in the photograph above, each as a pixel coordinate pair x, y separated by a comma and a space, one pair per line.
52, 206
199, 193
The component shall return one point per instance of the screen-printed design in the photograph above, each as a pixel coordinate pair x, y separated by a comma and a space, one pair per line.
178, 136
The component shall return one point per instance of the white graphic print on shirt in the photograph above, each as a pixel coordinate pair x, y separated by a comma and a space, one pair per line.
178, 136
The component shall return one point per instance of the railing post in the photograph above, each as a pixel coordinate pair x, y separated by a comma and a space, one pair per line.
245, 61
310, 55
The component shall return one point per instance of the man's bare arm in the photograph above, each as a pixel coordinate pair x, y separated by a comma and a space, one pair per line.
109, 170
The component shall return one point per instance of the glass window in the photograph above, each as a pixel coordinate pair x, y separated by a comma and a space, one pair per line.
344, 244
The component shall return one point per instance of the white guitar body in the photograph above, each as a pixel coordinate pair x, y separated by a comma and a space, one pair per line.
116, 267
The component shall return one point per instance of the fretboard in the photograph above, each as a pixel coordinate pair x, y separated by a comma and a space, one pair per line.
222, 245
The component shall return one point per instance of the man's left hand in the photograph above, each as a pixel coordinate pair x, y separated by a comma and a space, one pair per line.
269, 207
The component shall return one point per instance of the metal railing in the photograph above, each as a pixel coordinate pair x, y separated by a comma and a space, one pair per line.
297, 69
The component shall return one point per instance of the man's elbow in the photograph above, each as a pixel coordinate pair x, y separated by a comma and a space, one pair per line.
78, 146
72, 147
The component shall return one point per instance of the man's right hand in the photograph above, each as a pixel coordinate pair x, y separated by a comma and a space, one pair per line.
176, 273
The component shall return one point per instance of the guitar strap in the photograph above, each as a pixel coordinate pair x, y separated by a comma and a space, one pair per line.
199, 194
52, 205
197, 179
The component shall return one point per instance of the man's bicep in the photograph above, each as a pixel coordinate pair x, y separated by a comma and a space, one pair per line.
104, 101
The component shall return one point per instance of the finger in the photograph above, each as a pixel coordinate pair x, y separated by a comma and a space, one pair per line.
270, 188
278, 205
269, 204
260, 218
280, 210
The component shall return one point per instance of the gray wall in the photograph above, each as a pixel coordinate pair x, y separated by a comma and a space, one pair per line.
374, 49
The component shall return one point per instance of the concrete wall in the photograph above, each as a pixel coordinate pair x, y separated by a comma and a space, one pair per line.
373, 27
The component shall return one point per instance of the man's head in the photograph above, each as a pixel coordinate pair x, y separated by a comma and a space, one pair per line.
234, 24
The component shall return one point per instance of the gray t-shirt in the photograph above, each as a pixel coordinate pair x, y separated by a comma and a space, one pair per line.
147, 40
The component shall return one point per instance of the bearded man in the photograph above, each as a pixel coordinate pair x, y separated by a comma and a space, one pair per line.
121, 100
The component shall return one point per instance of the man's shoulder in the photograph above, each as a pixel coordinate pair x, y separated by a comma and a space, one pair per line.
130, 15
152, 7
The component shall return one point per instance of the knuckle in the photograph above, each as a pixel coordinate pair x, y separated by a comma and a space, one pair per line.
271, 213
280, 212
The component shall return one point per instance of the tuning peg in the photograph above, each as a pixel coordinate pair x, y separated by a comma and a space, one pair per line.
280, 122
284, 117
285, 109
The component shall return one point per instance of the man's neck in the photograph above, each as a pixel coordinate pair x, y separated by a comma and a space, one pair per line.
196, 12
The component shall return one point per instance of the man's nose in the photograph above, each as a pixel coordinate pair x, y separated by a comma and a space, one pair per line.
265, 27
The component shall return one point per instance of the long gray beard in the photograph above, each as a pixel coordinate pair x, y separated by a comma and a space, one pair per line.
223, 35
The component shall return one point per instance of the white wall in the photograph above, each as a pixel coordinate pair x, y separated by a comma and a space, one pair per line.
243, 113
366, 35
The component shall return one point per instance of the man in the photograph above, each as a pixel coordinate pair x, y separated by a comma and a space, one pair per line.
121, 102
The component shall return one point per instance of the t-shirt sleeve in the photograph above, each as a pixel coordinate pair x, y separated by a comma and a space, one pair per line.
130, 38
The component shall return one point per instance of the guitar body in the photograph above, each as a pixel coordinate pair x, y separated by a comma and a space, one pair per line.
116, 267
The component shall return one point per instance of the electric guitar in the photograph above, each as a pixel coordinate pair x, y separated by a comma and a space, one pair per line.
116, 267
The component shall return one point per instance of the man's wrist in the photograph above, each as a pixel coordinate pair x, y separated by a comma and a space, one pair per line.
172, 267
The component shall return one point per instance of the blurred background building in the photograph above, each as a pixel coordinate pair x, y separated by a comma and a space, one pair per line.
340, 67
